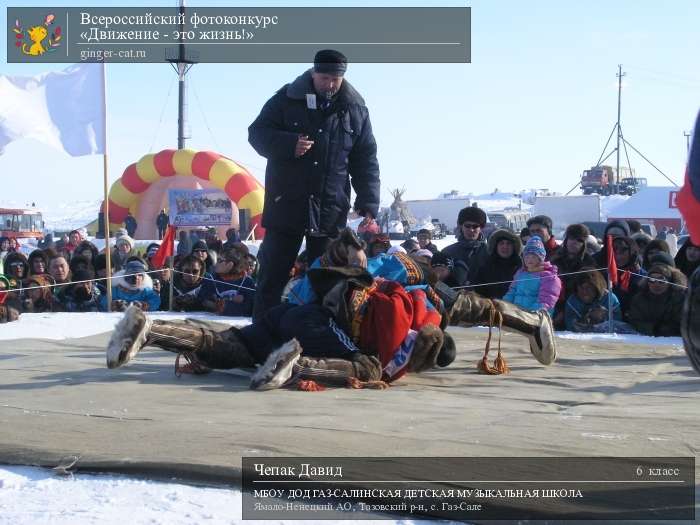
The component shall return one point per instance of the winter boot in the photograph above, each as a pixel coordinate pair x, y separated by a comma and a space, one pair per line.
278, 367
470, 309
426, 349
690, 320
201, 346
336, 372
128, 337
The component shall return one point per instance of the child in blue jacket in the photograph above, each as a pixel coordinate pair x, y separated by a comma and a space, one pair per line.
536, 286
132, 285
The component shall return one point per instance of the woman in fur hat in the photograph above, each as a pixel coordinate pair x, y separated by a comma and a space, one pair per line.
656, 308
38, 262
688, 257
87, 250
504, 260
39, 297
654, 247
536, 285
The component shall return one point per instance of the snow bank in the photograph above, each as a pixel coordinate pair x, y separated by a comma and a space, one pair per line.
63, 325
30, 495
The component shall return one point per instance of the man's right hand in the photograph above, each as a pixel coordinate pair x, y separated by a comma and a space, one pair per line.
303, 145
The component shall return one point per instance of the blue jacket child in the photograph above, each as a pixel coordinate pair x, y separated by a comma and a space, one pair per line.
536, 285
132, 285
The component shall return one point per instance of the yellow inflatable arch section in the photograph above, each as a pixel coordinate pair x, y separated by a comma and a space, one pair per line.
223, 173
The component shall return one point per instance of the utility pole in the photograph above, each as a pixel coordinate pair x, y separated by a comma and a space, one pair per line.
182, 60
620, 74
687, 136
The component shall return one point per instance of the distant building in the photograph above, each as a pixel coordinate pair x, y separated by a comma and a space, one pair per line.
653, 204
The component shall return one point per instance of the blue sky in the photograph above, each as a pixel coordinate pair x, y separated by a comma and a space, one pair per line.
532, 110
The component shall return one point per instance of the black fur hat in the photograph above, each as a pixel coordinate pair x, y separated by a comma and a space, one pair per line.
472, 214
577, 231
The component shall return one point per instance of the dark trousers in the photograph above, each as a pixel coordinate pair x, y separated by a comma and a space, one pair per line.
311, 324
276, 257
161, 232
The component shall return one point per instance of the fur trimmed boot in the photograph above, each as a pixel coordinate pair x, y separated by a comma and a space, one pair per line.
128, 337
278, 367
690, 320
470, 309
201, 345
426, 349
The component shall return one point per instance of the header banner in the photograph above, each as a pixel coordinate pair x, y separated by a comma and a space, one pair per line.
238, 34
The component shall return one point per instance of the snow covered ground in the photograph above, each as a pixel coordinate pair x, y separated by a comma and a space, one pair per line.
30, 496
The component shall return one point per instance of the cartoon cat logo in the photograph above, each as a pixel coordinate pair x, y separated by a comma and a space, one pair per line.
37, 35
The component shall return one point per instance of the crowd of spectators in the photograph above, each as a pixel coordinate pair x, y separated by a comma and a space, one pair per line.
531, 268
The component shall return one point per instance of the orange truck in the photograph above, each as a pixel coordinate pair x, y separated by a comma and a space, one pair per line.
21, 224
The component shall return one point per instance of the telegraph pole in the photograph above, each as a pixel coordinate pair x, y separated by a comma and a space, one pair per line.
620, 74
182, 60
687, 136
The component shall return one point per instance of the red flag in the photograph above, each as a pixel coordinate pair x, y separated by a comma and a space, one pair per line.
167, 248
612, 264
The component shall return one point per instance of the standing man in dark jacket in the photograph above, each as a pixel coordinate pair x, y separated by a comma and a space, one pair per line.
162, 222
130, 224
317, 138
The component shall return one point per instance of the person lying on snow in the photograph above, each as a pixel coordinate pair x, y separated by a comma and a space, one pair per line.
363, 332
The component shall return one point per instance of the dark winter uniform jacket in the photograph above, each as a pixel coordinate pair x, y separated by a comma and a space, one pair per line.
312, 193
186, 296
659, 315
473, 253
72, 302
497, 268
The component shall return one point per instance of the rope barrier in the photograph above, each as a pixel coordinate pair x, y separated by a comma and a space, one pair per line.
241, 287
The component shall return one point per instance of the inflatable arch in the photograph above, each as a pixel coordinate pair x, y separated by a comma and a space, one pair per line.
142, 188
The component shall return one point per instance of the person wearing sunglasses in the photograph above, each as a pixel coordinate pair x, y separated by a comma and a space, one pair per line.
132, 285
187, 283
229, 291
201, 251
470, 248
16, 269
